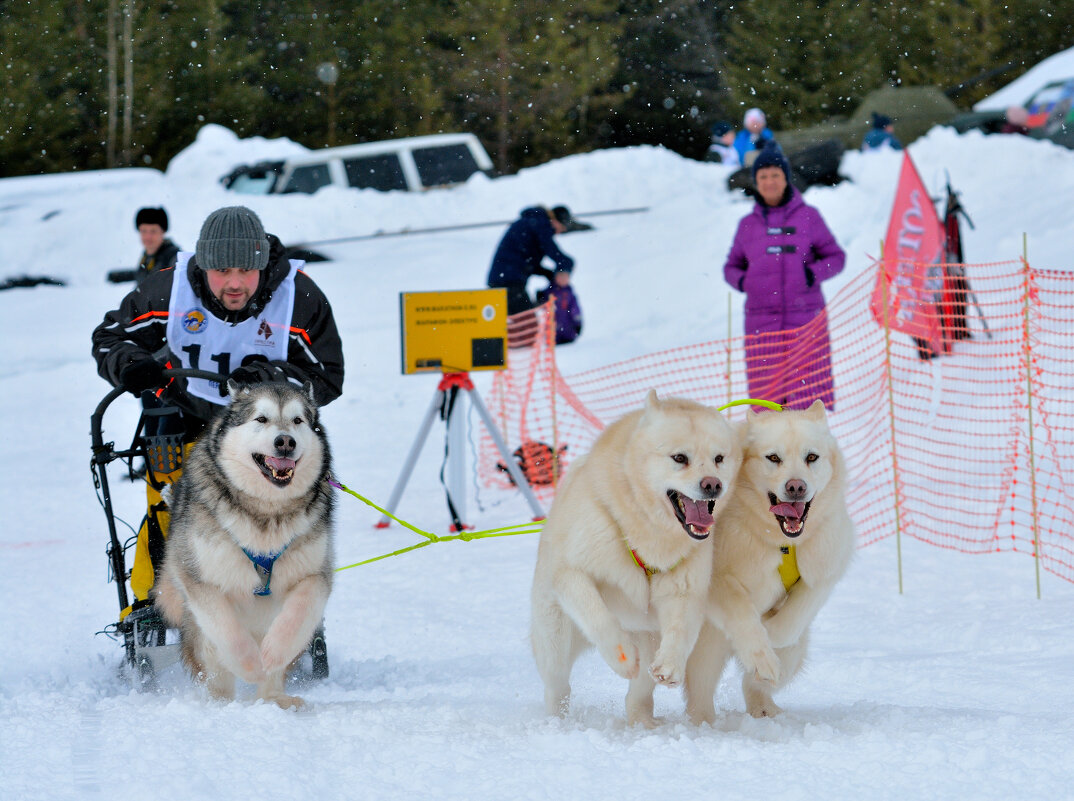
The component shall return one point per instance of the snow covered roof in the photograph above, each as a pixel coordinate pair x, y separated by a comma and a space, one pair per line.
1059, 66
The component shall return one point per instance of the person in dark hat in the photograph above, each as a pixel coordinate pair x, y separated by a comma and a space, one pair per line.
881, 135
525, 244
236, 306
158, 252
722, 149
781, 253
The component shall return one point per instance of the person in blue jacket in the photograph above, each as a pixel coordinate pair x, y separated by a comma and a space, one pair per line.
752, 139
527, 241
881, 136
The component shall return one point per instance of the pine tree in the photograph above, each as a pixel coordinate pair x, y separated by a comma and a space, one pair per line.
670, 54
939, 43
800, 62
526, 76
51, 109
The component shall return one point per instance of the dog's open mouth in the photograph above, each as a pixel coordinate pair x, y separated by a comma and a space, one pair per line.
695, 516
790, 516
276, 469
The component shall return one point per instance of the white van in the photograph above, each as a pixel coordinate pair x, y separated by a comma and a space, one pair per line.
412, 164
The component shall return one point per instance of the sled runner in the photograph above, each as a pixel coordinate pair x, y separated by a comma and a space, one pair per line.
149, 644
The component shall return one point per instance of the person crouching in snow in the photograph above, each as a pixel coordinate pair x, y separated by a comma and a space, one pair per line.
525, 244
781, 253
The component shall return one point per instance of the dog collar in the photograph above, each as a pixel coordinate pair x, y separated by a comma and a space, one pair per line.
788, 567
263, 563
649, 571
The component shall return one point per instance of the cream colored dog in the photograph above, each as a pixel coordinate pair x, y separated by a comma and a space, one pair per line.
780, 546
625, 558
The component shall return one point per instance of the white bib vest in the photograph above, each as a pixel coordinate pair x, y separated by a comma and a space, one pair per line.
203, 342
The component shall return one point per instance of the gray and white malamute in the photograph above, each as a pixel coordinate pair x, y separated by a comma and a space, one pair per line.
248, 562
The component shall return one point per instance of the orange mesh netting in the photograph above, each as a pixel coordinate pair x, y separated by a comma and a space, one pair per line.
983, 434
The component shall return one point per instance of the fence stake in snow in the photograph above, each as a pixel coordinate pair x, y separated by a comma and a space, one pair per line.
1027, 291
891, 416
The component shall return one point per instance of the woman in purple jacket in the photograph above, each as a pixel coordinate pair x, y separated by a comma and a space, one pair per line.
781, 254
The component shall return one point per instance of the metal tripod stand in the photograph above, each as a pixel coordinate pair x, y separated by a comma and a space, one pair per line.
452, 382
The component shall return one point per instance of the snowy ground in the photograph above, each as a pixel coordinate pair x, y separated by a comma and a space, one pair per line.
953, 689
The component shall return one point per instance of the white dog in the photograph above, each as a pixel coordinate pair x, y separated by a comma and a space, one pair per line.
625, 558
780, 546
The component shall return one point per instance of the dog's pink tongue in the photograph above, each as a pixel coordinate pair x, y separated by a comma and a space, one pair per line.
697, 513
279, 465
795, 510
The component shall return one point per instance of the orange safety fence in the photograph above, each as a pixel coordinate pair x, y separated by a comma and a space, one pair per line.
972, 450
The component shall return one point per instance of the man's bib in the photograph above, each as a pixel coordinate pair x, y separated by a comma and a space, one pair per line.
203, 342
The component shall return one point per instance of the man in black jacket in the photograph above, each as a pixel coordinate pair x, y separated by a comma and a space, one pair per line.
236, 307
527, 241
158, 252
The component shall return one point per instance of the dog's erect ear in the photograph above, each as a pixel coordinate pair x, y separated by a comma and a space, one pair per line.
816, 410
651, 400
234, 388
307, 387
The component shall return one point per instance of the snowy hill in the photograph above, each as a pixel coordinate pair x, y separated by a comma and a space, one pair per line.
952, 690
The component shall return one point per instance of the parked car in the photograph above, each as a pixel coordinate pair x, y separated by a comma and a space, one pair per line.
1049, 115
412, 164
915, 110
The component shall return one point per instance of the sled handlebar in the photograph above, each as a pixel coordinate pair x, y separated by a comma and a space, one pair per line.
97, 418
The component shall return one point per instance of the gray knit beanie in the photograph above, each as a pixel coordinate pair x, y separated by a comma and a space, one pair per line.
232, 237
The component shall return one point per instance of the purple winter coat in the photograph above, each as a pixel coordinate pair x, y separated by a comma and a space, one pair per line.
779, 258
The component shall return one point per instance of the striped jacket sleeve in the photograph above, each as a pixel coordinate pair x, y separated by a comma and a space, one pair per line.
136, 330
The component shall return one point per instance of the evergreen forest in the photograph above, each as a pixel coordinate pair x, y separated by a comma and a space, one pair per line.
92, 84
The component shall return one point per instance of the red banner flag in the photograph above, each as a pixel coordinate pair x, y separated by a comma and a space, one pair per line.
912, 272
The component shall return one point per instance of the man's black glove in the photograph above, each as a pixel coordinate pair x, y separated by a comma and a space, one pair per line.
255, 373
141, 375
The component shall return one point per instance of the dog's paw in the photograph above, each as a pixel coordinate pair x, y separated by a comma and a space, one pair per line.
642, 718
761, 705
764, 664
623, 658
284, 701
665, 671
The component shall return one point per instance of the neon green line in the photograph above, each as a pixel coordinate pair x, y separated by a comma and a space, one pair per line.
751, 402
386, 555
465, 536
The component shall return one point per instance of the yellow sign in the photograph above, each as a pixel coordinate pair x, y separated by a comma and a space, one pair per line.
453, 332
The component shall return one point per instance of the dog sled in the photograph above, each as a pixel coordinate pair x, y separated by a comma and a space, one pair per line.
149, 644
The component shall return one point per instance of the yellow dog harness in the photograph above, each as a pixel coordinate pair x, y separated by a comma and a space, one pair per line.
788, 567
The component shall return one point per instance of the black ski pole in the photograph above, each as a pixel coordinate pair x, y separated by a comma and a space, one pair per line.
954, 206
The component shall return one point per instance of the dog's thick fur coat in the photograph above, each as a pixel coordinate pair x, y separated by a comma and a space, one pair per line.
790, 491
641, 502
255, 485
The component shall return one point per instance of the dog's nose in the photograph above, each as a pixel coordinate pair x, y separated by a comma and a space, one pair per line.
711, 486
284, 444
795, 489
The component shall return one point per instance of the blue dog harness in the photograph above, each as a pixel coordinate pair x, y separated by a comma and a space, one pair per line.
263, 563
